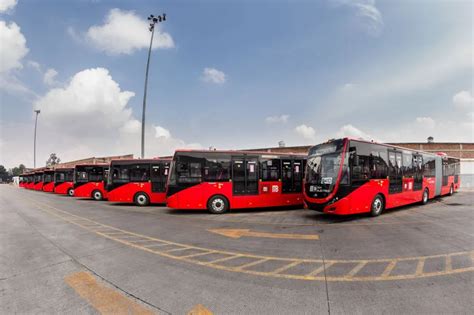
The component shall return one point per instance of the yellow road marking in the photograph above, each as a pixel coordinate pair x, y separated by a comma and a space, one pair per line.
200, 310
420, 266
238, 233
313, 276
389, 268
357, 268
104, 299
449, 264
286, 267
319, 269
253, 263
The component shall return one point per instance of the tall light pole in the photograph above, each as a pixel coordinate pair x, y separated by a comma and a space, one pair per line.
37, 111
153, 20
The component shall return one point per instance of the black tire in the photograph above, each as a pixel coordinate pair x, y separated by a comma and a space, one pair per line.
97, 195
70, 192
377, 206
425, 197
218, 204
141, 199
451, 190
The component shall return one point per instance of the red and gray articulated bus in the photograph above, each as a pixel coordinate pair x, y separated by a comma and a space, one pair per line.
48, 183
223, 180
138, 181
348, 176
89, 181
38, 180
63, 181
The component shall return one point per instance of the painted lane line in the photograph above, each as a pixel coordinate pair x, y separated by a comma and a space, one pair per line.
389, 269
286, 267
356, 269
313, 276
250, 264
320, 269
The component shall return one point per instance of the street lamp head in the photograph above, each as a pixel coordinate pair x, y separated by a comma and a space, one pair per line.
164, 16
37, 111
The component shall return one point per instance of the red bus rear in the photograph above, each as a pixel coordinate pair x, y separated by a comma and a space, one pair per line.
63, 181
89, 181
223, 180
348, 176
138, 181
48, 183
38, 181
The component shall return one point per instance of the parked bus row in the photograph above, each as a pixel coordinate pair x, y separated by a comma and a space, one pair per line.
342, 177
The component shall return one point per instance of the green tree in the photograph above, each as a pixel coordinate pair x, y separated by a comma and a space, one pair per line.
53, 160
4, 176
16, 171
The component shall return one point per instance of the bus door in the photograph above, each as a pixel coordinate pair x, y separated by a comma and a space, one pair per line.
418, 172
245, 175
395, 172
287, 176
292, 176
159, 176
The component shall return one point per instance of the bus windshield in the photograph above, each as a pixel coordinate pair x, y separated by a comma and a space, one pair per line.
323, 166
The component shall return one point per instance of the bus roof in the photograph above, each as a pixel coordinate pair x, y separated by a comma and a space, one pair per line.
240, 152
138, 161
92, 164
441, 154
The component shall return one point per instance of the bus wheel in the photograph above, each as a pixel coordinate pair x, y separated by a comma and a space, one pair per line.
426, 196
141, 199
451, 190
70, 192
97, 195
218, 204
378, 206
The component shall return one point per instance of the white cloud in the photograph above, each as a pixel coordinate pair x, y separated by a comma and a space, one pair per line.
214, 76
306, 132
49, 77
161, 132
426, 122
35, 65
464, 100
353, 132
6, 5
13, 47
367, 12
283, 119
89, 116
124, 32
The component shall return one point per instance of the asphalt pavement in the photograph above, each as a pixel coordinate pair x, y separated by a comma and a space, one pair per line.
67, 255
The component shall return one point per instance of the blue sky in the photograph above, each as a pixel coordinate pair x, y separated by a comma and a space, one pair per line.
231, 74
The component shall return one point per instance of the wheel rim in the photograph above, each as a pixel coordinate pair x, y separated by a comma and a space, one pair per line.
97, 195
451, 190
71, 192
377, 206
425, 196
218, 205
141, 199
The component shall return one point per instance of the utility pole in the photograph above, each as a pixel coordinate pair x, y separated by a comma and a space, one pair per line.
153, 20
37, 111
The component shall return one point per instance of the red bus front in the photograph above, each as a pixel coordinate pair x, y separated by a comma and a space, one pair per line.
89, 181
48, 183
138, 181
219, 181
63, 181
38, 181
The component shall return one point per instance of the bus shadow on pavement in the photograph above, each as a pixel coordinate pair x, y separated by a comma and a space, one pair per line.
249, 211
